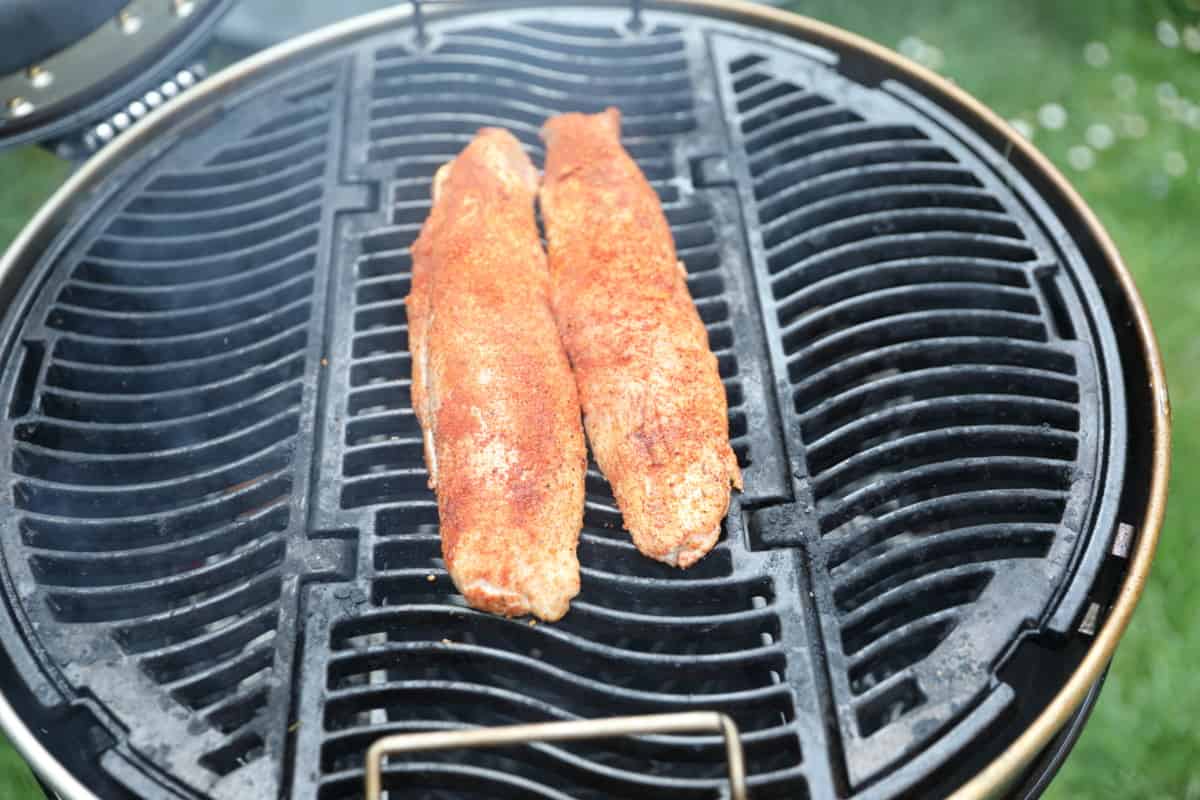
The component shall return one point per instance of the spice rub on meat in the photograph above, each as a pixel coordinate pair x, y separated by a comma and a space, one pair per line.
492, 387
653, 402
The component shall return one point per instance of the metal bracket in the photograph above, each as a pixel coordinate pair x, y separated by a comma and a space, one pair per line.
418, 21
608, 727
635, 19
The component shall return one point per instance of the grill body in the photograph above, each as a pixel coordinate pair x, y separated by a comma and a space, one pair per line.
221, 562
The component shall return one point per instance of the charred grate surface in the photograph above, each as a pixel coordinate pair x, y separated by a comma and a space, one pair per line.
219, 546
937, 404
419, 659
154, 464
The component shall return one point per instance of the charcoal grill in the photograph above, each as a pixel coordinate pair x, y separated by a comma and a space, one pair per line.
220, 560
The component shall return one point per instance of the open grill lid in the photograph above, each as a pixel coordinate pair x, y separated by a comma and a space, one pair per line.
69, 67
221, 562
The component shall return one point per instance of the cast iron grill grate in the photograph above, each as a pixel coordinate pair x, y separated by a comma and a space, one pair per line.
155, 470
519, 673
217, 495
937, 397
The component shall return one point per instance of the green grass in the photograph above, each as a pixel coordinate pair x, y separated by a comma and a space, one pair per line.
27, 177
1015, 56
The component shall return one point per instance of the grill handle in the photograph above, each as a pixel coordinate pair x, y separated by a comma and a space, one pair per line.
605, 728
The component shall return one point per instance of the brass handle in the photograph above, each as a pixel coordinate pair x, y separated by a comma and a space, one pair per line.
685, 722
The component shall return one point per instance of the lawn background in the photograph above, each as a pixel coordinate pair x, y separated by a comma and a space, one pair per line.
1017, 55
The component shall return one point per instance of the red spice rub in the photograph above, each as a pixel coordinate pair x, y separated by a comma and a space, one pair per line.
493, 390
654, 406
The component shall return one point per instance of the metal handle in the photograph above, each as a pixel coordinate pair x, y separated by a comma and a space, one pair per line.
685, 722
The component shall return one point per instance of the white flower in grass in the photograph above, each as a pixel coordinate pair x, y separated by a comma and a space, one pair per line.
1081, 157
1192, 117
1096, 54
911, 47
1175, 163
1100, 136
933, 57
1134, 126
1167, 33
1052, 116
1124, 86
1191, 38
1022, 127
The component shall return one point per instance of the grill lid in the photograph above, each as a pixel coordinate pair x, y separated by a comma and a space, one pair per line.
220, 558
35, 29
67, 66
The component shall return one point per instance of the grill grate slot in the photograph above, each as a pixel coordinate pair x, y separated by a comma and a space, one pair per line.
237, 711
200, 295
882, 183
181, 662
146, 597
207, 615
237, 753
888, 616
822, 132
888, 705
822, 210
906, 558
115, 567
835, 156
221, 680
254, 213
183, 198
246, 172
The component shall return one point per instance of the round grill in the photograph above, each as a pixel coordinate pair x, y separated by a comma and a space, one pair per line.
222, 564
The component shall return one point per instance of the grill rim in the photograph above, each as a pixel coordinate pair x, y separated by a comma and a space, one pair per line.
39, 234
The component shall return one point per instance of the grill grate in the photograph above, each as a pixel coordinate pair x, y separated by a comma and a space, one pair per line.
635, 617
217, 492
938, 405
155, 472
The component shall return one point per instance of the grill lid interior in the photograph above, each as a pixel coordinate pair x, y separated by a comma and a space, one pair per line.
220, 557
68, 66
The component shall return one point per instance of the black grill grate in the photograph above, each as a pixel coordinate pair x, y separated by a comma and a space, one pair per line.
218, 497
938, 404
155, 471
636, 617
